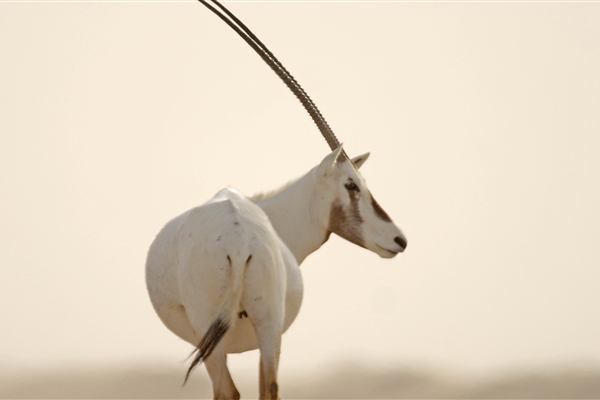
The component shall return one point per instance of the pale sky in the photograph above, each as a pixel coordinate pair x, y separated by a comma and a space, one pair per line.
483, 123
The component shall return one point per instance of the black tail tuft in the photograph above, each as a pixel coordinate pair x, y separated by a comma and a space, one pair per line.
208, 343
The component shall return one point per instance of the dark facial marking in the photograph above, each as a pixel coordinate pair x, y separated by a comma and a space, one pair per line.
354, 205
346, 225
378, 210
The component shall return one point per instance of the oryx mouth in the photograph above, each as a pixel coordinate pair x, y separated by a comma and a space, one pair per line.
394, 252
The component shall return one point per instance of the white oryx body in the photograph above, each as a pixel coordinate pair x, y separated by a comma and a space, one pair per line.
220, 271
230, 267
224, 276
216, 261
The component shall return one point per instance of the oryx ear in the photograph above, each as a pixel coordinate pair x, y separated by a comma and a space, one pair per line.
360, 160
329, 161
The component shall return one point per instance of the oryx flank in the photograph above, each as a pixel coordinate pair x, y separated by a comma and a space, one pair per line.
224, 276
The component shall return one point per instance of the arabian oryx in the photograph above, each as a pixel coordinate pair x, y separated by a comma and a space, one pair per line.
224, 276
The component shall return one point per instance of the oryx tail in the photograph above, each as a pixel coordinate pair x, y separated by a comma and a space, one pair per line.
225, 315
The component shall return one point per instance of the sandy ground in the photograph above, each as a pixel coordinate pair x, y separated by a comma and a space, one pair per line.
348, 382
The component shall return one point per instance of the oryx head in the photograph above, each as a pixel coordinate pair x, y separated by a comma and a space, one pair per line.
353, 212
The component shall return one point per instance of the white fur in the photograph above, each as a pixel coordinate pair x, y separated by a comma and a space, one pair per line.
300, 213
197, 269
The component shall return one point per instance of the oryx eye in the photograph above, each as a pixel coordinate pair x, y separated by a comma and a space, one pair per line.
352, 187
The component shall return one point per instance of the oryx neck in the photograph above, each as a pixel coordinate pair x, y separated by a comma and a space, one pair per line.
294, 218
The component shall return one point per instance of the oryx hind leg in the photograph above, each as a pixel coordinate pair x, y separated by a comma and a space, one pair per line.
270, 350
216, 366
265, 310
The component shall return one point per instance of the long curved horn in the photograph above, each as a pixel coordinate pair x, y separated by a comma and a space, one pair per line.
277, 67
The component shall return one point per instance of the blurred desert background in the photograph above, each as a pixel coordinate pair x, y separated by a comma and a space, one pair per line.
483, 123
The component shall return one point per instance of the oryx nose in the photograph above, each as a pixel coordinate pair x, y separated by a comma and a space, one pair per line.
401, 242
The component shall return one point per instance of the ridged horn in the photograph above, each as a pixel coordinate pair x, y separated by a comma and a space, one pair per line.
222, 12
